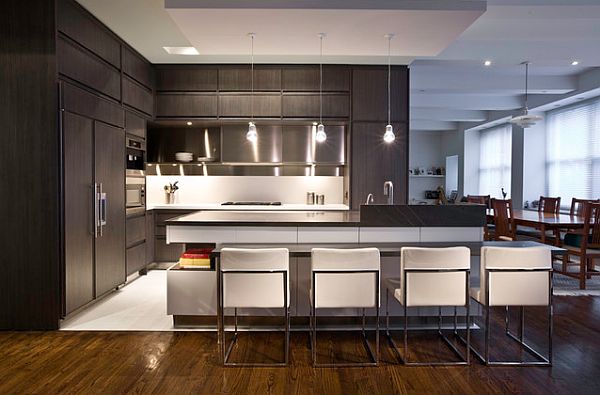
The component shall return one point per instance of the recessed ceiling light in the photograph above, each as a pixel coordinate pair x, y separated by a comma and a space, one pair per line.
181, 50
188, 123
574, 63
487, 63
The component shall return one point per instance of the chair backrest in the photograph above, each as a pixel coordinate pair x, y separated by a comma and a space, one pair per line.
512, 280
434, 276
592, 226
353, 284
264, 290
503, 219
549, 205
578, 206
479, 199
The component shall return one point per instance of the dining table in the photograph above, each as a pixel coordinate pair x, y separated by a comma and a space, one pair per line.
544, 222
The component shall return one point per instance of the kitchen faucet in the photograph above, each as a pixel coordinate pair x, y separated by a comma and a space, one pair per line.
388, 190
369, 198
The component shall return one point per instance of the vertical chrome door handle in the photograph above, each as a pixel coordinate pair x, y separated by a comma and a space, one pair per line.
102, 198
96, 208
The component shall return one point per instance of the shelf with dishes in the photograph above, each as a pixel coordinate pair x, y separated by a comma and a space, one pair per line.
245, 169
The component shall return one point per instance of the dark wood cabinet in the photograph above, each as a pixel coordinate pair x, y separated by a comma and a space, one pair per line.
306, 78
135, 124
307, 105
80, 101
78, 143
136, 258
136, 230
137, 68
373, 162
239, 78
185, 78
369, 94
110, 176
84, 67
186, 105
137, 96
79, 25
240, 106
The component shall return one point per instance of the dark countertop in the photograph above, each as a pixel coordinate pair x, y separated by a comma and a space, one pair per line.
472, 215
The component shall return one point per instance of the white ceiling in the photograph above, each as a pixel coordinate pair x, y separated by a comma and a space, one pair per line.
447, 39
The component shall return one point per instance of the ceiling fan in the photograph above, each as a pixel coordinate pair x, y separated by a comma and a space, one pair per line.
526, 120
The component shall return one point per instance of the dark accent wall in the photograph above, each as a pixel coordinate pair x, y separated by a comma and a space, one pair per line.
29, 167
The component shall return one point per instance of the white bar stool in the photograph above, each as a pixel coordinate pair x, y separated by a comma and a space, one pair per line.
515, 277
253, 278
433, 277
345, 278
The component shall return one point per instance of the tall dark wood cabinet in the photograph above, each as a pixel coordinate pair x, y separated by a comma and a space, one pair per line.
109, 154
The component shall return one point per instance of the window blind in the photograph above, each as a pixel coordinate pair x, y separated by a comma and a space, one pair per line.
573, 152
495, 153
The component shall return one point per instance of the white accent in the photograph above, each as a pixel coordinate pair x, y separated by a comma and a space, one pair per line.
195, 190
389, 235
181, 51
219, 207
201, 234
318, 234
516, 288
261, 234
262, 290
345, 289
432, 234
432, 288
191, 292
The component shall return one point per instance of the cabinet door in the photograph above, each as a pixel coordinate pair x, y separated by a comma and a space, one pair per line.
78, 134
110, 173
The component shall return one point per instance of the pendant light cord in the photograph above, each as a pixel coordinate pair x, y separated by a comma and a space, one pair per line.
321, 81
389, 76
252, 76
526, 83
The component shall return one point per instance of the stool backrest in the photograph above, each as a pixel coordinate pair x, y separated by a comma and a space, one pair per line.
434, 276
518, 276
244, 289
354, 282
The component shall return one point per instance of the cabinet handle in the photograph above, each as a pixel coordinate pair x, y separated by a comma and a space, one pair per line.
102, 198
95, 204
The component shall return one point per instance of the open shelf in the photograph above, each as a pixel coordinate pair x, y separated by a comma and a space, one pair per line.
427, 176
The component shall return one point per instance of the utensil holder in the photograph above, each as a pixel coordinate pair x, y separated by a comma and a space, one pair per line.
169, 198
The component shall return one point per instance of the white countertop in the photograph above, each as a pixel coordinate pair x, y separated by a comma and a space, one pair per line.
218, 206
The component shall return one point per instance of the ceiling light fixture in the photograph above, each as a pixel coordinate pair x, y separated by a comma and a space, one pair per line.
526, 120
574, 63
181, 50
389, 135
321, 136
251, 135
487, 63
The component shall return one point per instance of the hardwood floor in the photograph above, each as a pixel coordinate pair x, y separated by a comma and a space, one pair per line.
187, 362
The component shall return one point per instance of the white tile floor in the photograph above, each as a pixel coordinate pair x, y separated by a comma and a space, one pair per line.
138, 306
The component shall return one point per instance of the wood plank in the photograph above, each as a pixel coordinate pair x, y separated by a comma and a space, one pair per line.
308, 105
369, 94
185, 78
137, 68
137, 96
80, 101
186, 105
240, 106
239, 78
306, 78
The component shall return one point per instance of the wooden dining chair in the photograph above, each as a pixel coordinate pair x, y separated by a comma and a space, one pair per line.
578, 205
549, 205
504, 223
479, 199
588, 248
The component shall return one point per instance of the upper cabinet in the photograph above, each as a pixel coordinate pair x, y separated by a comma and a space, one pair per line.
236, 78
137, 96
80, 26
137, 68
306, 78
186, 78
369, 94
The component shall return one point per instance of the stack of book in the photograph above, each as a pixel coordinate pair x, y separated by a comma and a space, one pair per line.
195, 258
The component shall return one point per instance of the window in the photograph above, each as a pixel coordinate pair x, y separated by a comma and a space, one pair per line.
495, 160
573, 152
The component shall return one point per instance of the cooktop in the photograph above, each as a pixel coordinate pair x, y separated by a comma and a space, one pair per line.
251, 204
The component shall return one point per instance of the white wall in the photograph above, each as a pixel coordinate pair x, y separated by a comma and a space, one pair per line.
471, 163
534, 163
218, 189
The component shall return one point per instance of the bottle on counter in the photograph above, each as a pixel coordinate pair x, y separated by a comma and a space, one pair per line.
310, 198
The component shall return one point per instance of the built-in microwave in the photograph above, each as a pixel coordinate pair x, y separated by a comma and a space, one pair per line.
135, 154
135, 183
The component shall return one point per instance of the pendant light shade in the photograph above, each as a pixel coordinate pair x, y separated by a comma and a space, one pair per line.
251, 135
389, 135
526, 120
321, 136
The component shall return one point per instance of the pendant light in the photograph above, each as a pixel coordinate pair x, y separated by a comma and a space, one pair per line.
389, 135
251, 135
526, 120
321, 136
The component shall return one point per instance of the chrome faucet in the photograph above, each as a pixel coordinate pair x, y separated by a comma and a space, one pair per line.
369, 199
388, 190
